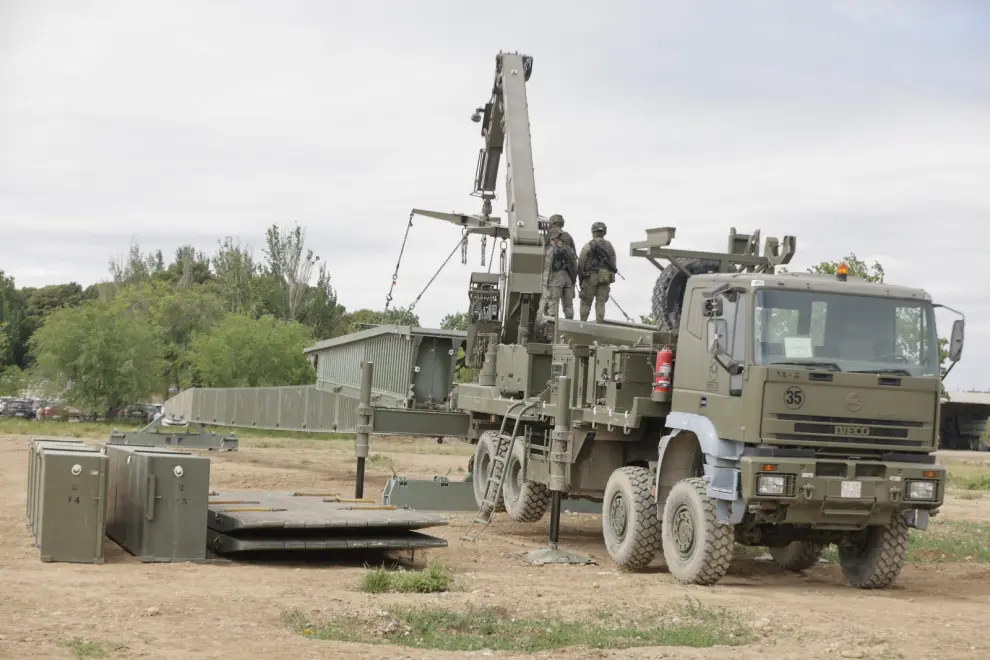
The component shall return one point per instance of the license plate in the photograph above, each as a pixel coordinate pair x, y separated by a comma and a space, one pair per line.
852, 489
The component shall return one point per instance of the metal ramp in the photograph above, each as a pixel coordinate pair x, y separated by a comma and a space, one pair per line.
171, 434
253, 521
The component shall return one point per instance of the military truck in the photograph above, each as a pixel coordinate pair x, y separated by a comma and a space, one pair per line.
802, 409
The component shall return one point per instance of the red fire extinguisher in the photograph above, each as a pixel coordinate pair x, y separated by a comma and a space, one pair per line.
664, 370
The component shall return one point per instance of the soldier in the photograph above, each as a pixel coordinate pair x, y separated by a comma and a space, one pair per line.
561, 272
557, 222
597, 269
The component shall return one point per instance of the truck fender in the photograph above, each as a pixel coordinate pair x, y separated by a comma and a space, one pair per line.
721, 464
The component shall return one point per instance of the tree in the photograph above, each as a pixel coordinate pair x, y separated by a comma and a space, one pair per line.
362, 318
191, 267
455, 321
136, 267
243, 352
12, 380
235, 271
13, 323
857, 268
321, 313
176, 314
291, 265
102, 355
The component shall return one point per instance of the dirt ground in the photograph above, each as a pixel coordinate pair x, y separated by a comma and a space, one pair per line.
190, 611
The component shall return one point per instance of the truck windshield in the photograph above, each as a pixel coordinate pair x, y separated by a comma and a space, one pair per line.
847, 332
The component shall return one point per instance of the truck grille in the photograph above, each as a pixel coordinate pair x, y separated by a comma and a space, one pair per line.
812, 429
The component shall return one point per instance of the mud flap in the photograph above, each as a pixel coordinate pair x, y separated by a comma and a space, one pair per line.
916, 518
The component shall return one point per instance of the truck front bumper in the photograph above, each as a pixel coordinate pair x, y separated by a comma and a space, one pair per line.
836, 493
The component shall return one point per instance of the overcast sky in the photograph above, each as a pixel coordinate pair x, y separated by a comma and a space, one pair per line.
858, 127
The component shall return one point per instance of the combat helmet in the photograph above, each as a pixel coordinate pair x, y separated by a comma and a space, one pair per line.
557, 219
598, 227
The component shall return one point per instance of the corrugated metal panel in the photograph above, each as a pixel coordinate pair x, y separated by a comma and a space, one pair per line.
397, 352
391, 354
302, 408
412, 368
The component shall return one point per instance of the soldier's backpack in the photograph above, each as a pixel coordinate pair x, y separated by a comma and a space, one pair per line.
602, 268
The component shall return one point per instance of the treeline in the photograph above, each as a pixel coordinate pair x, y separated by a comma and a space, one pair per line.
153, 327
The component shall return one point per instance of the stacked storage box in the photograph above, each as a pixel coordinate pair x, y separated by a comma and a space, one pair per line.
67, 497
158, 503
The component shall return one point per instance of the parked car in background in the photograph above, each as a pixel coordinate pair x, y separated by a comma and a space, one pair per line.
142, 412
17, 407
54, 410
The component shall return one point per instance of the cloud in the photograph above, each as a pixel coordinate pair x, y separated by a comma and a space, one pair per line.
856, 127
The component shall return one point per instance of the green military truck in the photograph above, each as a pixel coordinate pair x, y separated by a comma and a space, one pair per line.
802, 412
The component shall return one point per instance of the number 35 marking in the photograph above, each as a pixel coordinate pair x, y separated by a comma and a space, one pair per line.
793, 397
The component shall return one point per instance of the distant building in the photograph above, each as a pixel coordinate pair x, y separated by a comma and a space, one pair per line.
963, 422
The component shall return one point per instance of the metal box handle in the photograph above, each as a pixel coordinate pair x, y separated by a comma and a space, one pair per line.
150, 508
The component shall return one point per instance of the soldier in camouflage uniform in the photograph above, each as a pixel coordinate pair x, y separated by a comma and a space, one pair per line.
561, 272
557, 222
596, 268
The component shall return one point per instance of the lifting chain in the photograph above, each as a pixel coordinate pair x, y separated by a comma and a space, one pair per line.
461, 243
503, 268
616, 303
491, 257
395, 275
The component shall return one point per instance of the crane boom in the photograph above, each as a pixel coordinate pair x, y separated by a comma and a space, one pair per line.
505, 128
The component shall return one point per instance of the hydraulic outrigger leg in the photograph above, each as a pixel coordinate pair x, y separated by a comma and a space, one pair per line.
558, 480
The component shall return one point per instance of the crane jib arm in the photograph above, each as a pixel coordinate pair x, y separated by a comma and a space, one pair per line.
505, 128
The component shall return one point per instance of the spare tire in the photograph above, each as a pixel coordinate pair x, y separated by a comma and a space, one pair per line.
668, 291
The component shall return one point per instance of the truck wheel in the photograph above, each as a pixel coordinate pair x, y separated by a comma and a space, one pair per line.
875, 559
481, 470
698, 549
629, 518
525, 501
668, 291
797, 556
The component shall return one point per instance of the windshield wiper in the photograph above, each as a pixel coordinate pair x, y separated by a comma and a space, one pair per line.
825, 365
881, 371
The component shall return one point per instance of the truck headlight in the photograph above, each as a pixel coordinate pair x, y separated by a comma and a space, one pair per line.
921, 490
771, 484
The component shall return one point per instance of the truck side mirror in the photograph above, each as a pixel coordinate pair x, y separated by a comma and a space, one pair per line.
956, 340
718, 336
718, 346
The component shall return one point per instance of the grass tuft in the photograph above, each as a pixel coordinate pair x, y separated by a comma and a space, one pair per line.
969, 476
82, 649
950, 541
435, 578
688, 624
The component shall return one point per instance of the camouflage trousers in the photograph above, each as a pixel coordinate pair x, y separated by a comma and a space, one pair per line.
592, 291
560, 288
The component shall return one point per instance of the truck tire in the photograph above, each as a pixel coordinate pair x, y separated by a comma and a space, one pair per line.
698, 549
481, 470
797, 556
668, 291
629, 518
525, 501
876, 560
